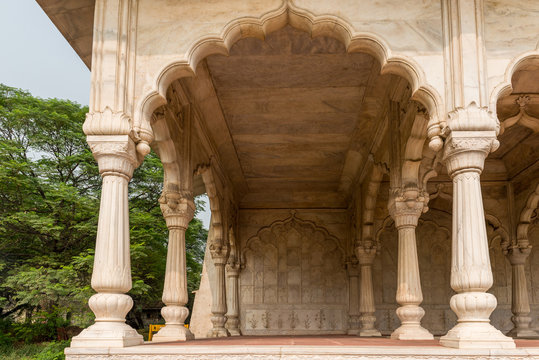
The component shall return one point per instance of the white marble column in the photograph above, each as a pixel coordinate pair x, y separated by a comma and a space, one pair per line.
111, 277
471, 274
353, 298
520, 305
219, 254
178, 210
405, 209
367, 307
233, 313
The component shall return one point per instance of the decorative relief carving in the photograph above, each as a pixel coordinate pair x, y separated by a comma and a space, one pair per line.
178, 208
292, 269
114, 154
522, 118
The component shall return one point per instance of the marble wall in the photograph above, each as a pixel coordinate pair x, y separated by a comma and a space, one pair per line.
294, 280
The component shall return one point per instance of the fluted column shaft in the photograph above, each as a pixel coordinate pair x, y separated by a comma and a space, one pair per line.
111, 276
471, 274
233, 313
178, 210
520, 305
367, 307
353, 298
406, 208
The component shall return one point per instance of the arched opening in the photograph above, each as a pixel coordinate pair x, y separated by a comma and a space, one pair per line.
296, 122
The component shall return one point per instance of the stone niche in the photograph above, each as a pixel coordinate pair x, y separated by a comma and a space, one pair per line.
293, 281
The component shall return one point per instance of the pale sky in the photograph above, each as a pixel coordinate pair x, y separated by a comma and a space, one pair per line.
36, 57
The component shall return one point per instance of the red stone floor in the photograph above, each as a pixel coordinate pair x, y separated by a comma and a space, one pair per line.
327, 340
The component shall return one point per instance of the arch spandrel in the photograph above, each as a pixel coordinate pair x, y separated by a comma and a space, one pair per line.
159, 74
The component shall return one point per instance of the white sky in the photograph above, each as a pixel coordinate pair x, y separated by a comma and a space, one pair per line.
36, 57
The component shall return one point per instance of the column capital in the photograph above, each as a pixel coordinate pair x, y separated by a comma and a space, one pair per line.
115, 154
178, 208
470, 136
366, 255
518, 255
219, 253
406, 206
467, 150
351, 266
233, 269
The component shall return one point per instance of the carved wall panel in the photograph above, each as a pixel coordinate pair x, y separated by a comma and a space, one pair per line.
294, 281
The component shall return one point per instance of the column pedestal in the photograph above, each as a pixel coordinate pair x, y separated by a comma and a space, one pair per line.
471, 274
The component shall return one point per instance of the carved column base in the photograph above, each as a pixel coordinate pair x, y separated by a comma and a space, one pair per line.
522, 328
353, 325
174, 329
233, 326
110, 329
411, 329
218, 329
173, 333
479, 335
369, 333
474, 330
367, 328
107, 335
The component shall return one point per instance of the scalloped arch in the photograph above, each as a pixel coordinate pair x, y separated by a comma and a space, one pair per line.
506, 87
290, 219
316, 25
499, 232
388, 221
532, 202
216, 208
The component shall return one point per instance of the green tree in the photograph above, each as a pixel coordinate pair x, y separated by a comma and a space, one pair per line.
49, 204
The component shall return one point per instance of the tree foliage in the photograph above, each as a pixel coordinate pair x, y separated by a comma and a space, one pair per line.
49, 205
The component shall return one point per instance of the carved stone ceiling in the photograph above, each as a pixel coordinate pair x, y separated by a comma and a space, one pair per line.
294, 107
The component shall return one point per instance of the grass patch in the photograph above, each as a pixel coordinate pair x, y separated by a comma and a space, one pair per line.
43, 351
